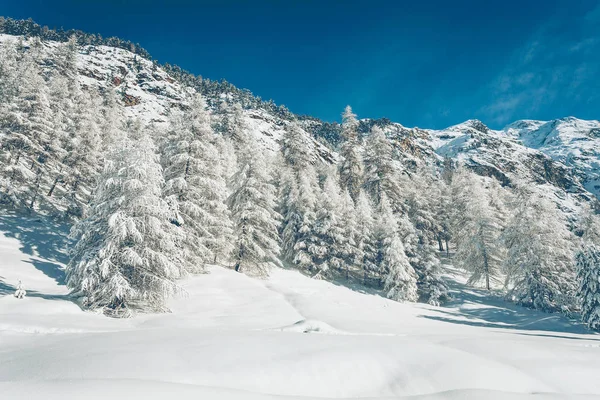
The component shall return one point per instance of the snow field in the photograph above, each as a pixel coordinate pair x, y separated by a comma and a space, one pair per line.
287, 337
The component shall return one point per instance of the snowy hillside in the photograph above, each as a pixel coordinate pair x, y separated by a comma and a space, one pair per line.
147, 92
288, 337
572, 141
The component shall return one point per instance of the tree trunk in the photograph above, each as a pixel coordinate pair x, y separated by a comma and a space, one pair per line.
447, 248
486, 269
37, 189
53, 186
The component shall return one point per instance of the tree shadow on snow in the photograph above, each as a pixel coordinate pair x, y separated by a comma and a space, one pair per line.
482, 308
6, 288
40, 238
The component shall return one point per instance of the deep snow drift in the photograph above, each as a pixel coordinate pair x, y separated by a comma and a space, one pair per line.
288, 337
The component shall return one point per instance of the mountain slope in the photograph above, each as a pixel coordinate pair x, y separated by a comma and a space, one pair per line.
149, 93
572, 141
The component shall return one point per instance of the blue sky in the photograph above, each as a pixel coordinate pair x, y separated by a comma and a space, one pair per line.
422, 63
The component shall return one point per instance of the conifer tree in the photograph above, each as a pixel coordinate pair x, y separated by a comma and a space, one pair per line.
299, 189
31, 125
479, 249
196, 188
351, 165
399, 277
365, 238
381, 175
348, 247
331, 245
252, 205
125, 258
588, 276
539, 266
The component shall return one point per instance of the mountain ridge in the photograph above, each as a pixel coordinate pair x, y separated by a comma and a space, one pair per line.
149, 91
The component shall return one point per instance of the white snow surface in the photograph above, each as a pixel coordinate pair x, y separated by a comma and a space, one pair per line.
287, 337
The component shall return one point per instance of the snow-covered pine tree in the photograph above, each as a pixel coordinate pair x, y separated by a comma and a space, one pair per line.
365, 237
539, 266
83, 153
252, 204
9, 81
299, 190
381, 176
348, 248
196, 188
351, 164
233, 124
125, 258
399, 277
295, 149
421, 254
479, 249
331, 245
57, 143
30, 124
588, 276
111, 123
440, 200
299, 239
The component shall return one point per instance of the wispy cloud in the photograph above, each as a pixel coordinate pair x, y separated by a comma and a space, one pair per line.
559, 64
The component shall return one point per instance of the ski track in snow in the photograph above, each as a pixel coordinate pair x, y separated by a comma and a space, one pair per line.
287, 337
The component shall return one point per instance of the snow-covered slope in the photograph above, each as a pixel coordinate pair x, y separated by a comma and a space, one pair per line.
288, 337
572, 141
505, 156
561, 156
148, 93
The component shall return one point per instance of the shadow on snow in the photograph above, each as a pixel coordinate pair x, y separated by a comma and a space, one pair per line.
45, 241
479, 307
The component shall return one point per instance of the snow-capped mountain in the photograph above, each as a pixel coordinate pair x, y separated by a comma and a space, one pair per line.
504, 155
572, 141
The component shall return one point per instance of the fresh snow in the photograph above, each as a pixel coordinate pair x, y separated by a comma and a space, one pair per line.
287, 337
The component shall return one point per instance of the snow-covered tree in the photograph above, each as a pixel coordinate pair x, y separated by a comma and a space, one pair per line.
299, 239
298, 203
30, 125
296, 149
351, 164
588, 276
125, 258
233, 123
9, 78
83, 152
381, 176
348, 248
479, 249
252, 205
539, 266
331, 247
399, 277
196, 188
365, 237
